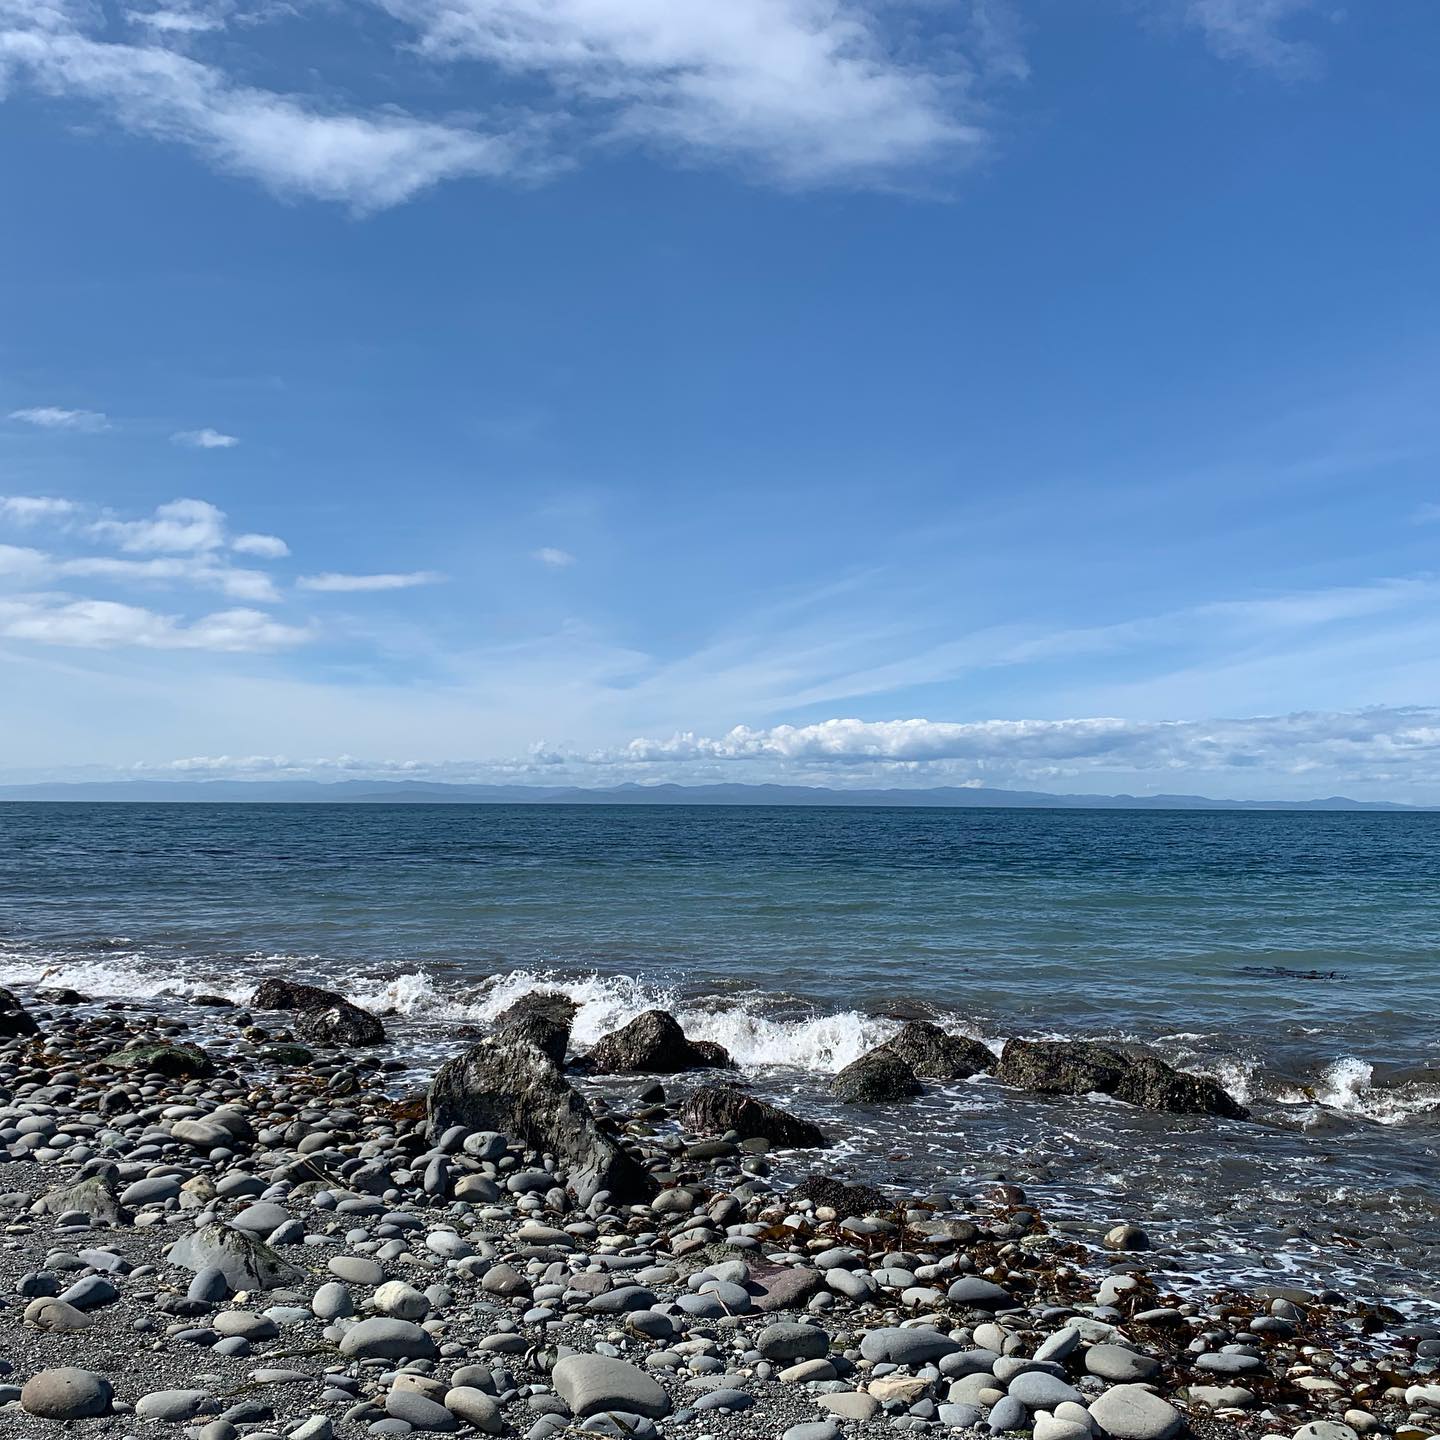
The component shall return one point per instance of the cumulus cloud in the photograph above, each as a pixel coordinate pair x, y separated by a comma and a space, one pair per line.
53, 417
332, 583
32, 509
267, 547
108, 625
556, 559
178, 525
1254, 32
205, 439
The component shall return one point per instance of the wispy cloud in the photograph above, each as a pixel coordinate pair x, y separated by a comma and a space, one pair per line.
266, 547
179, 525
365, 161
205, 439
1254, 32
333, 583
108, 625
556, 559
53, 417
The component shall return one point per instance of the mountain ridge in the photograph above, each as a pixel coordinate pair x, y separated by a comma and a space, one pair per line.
422, 792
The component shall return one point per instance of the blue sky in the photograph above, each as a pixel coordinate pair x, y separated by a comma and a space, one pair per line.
1028, 392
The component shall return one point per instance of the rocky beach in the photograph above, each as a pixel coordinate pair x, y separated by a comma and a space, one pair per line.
227, 1220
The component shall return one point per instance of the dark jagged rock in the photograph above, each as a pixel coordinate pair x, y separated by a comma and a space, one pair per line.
717, 1108
842, 1197
874, 1078
936, 1054
511, 1086
1075, 1067
324, 1018
15, 1019
172, 1060
655, 1043
543, 1018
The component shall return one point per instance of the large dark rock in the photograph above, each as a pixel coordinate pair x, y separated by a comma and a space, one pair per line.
509, 1085
654, 1043
1076, 1067
936, 1054
841, 1196
543, 1018
324, 1017
172, 1060
877, 1076
717, 1108
15, 1019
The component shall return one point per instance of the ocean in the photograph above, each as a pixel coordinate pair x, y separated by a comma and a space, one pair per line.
1292, 956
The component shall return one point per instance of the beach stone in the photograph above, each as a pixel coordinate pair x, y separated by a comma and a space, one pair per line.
15, 1019
813, 1430
418, 1411
56, 1316
876, 1077
246, 1262
717, 1109
592, 1383
1052, 1427
172, 1061
1081, 1067
65, 1394
653, 1042
1120, 1365
979, 1294
262, 1218
787, 1288
201, 1134
1007, 1413
902, 1345
1038, 1390
850, 1405
400, 1300
174, 1406
935, 1054
384, 1338
1325, 1430
475, 1408
1126, 1237
788, 1341
93, 1197
357, 1269
958, 1417
1131, 1412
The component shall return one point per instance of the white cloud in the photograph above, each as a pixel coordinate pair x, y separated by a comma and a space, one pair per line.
205, 439
107, 625
365, 161
201, 572
52, 417
557, 559
31, 509
267, 547
808, 90
1253, 32
332, 583
180, 525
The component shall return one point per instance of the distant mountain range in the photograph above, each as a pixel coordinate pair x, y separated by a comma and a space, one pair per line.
420, 792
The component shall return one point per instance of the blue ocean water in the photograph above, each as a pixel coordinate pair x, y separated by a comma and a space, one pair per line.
1294, 956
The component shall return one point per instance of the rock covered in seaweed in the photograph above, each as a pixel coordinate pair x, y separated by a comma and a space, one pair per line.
935, 1054
877, 1076
324, 1017
654, 1043
1078, 1067
716, 1109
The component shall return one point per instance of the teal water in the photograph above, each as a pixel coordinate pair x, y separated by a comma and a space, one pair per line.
1296, 957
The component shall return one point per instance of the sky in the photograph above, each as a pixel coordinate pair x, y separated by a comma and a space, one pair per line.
1033, 393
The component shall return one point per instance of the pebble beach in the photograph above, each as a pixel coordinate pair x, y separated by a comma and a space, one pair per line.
226, 1220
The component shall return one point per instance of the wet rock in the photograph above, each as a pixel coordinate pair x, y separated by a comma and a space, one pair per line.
514, 1088
324, 1017
874, 1079
1072, 1067
935, 1054
542, 1018
168, 1060
654, 1043
715, 1109
15, 1019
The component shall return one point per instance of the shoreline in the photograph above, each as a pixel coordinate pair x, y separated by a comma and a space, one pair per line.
536, 1266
